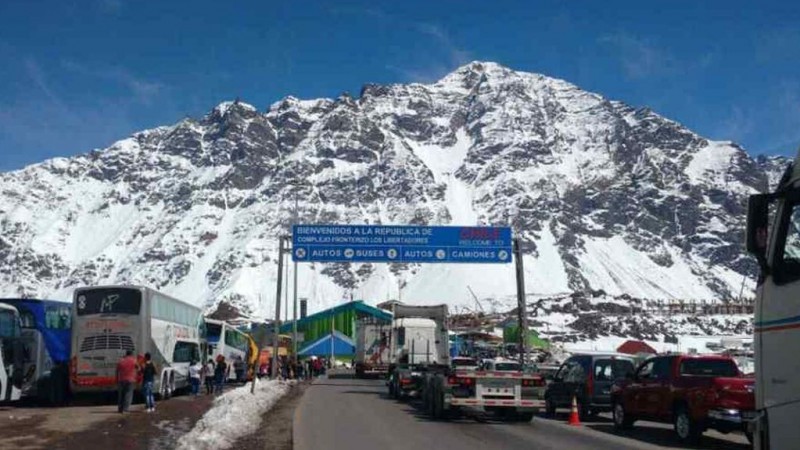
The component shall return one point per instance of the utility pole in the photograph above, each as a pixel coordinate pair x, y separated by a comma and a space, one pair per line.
277, 329
294, 322
333, 337
522, 310
286, 296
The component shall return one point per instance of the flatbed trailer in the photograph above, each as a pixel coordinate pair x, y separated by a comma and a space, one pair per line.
509, 394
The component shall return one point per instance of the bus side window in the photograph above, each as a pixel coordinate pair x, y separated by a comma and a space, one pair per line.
57, 318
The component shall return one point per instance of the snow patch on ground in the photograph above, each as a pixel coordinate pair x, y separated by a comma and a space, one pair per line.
235, 414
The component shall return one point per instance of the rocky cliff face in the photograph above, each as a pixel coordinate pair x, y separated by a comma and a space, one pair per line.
605, 196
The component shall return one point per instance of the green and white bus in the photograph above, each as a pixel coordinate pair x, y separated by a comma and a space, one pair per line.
109, 320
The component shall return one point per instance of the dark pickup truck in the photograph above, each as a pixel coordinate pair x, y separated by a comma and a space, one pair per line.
695, 393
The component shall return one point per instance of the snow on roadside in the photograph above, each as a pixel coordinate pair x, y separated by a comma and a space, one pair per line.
235, 414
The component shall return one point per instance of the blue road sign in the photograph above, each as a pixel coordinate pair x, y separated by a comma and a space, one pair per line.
393, 243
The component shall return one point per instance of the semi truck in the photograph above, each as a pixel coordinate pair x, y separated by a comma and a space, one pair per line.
419, 344
773, 237
372, 347
421, 366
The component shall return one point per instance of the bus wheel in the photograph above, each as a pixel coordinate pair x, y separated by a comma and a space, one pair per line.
166, 391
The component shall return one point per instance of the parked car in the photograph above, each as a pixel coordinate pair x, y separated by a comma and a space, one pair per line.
588, 378
694, 393
501, 365
464, 363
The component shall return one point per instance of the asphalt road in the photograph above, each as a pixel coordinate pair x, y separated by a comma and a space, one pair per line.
351, 414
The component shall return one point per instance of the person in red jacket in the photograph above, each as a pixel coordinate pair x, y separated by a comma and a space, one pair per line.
127, 368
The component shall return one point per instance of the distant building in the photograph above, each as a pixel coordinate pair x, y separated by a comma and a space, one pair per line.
633, 347
387, 305
314, 331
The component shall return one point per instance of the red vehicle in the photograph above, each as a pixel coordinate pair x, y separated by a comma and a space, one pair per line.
695, 393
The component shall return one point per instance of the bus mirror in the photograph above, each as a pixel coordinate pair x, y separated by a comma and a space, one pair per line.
757, 226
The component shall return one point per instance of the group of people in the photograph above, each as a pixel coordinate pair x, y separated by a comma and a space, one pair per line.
299, 370
127, 371
212, 374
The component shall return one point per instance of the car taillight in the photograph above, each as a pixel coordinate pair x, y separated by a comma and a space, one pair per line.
405, 380
462, 381
533, 382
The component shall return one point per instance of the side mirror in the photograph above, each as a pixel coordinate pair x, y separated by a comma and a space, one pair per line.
757, 226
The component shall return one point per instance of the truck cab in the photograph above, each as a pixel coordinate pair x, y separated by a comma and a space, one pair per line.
773, 238
419, 343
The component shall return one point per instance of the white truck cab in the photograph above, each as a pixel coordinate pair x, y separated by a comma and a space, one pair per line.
773, 237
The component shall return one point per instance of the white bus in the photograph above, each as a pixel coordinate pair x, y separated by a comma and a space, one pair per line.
10, 354
224, 339
773, 237
109, 320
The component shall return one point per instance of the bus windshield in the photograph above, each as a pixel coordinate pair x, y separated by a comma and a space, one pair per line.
9, 323
108, 301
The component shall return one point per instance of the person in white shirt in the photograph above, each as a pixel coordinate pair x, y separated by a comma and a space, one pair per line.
194, 377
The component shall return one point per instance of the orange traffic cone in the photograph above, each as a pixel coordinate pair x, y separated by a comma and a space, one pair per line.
574, 417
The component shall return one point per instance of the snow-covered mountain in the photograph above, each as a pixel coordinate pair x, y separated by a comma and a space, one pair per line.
605, 195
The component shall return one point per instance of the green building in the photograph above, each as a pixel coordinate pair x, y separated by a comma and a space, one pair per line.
511, 336
344, 319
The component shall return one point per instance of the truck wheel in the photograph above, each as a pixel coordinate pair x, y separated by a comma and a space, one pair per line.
583, 411
549, 408
427, 403
622, 421
687, 429
438, 408
524, 417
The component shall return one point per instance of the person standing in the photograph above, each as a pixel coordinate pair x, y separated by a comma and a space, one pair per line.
126, 379
238, 368
148, 381
220, 371
194, 377
208, 372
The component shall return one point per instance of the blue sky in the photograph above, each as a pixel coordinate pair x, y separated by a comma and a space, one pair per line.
75, 76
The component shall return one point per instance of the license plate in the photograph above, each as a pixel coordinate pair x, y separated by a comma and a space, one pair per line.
498, 383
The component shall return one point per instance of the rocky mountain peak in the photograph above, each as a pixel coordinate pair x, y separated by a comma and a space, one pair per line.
604, 195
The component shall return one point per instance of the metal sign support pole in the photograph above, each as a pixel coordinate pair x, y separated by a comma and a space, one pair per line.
522, 310
294, 291
276, 336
